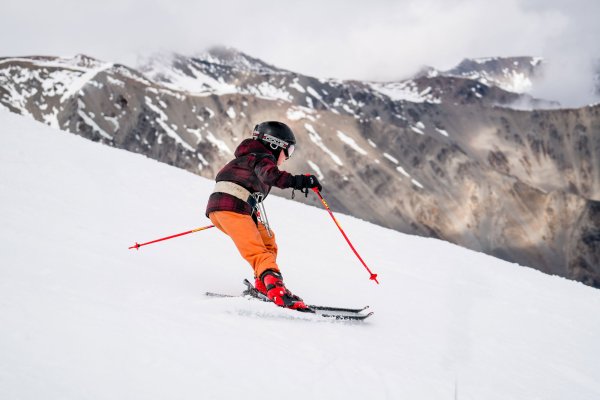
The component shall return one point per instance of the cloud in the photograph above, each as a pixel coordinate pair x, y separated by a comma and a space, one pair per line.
376, 40
572, 56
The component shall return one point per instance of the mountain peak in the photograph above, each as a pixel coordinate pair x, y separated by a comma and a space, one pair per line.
85, 61
231, 57
211, 71
514, 74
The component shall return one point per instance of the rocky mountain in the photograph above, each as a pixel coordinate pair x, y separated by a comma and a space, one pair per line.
514, 74
442, 154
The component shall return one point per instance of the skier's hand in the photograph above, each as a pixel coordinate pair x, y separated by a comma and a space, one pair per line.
306, 182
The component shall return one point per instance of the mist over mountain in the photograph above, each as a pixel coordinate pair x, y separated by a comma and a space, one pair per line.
465, 155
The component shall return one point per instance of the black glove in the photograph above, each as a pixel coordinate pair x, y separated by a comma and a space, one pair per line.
306, 182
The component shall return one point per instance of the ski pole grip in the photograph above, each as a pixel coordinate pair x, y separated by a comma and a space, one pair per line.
313, 189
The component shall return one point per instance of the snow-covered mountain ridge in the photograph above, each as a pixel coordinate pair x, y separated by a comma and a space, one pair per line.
435, 155
514, 74
83, 317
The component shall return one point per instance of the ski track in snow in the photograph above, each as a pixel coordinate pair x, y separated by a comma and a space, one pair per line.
84, 317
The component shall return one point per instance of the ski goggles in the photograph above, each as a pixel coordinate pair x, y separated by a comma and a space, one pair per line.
276, 143
288, 151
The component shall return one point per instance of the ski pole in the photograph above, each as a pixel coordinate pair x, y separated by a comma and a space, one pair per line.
138, 245
373, 276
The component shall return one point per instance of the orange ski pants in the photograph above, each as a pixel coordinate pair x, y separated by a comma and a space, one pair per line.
252, 241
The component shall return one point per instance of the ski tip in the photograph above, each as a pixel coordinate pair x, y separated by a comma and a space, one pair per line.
365, 316
346, 317
338, 309
362, 317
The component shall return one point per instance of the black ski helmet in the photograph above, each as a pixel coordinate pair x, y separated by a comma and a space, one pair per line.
275, 135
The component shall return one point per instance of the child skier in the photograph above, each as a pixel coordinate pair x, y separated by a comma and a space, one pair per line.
235, 205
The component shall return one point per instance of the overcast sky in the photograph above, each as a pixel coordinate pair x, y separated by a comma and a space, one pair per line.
369, 40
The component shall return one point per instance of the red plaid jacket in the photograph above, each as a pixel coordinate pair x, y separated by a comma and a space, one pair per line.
254, 167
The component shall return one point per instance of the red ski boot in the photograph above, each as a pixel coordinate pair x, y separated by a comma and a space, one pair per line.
260, 286
278, 293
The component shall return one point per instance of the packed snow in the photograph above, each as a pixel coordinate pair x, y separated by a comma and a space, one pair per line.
171, 131
316, 95
231, 113
296, 85
296, 113
315, 167
190, 75
403, 171
511, 79
160, 68
406, 91
218, 143
318, 140
442, 132
92, 124
416, 183
391, 158
85, 78
351, 142
268, 91
83, 317
418, 128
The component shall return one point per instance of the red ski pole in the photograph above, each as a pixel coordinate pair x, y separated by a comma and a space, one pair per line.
138, 245
373, 276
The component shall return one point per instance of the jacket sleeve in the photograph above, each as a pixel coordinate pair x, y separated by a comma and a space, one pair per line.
269, 174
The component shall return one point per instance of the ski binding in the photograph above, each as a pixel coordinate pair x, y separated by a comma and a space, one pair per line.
339, 313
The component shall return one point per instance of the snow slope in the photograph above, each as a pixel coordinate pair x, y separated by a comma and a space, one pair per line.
83, 317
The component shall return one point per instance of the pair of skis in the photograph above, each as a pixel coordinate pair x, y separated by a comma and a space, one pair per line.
340, 313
